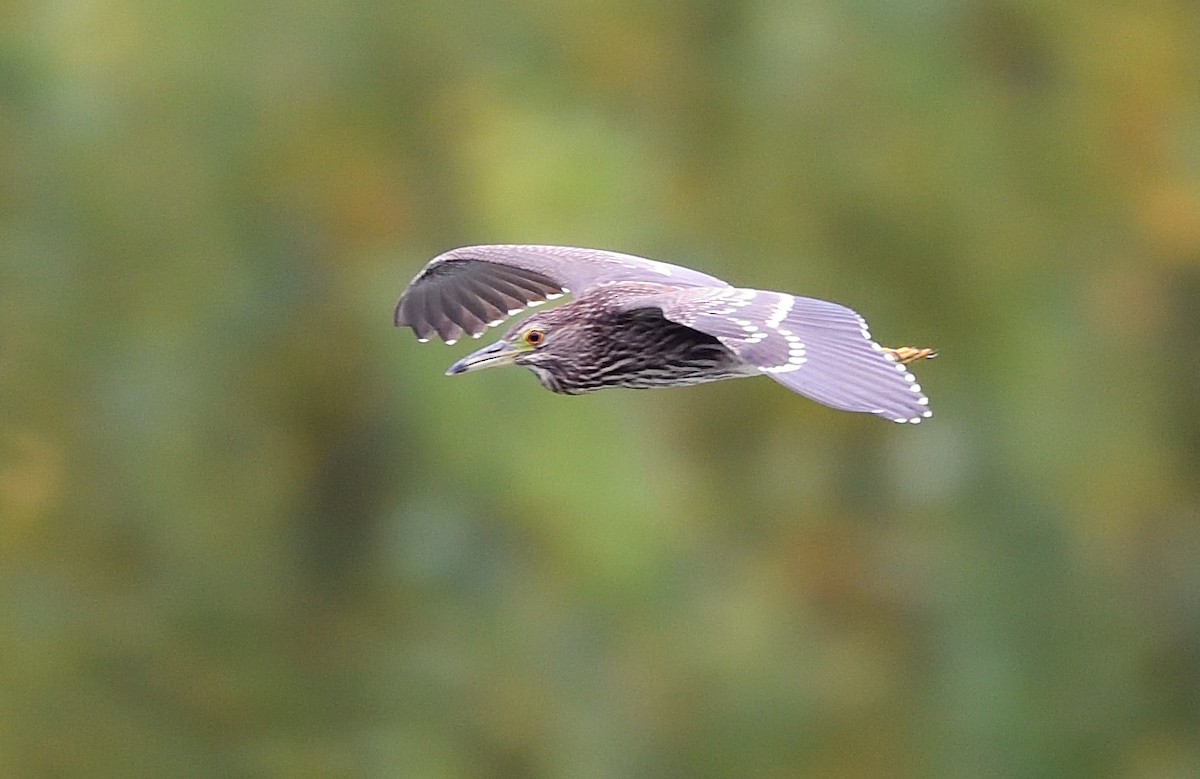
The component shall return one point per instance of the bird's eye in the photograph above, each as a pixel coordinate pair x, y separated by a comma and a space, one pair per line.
535, 337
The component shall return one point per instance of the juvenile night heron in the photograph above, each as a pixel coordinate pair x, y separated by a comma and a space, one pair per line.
640, 323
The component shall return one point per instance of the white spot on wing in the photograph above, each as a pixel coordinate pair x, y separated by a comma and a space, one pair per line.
782, 309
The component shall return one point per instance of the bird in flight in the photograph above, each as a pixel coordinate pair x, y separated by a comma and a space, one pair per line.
636, 322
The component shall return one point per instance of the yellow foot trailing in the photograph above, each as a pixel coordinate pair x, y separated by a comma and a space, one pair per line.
909, 354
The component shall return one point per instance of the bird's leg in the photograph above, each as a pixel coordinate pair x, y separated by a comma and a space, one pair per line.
909, 354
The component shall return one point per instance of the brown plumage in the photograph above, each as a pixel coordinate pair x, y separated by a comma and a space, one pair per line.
640, 323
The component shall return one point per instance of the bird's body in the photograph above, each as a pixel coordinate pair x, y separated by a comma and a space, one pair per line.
638, 348
640, 323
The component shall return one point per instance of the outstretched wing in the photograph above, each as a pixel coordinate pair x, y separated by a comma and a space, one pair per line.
819, 349
470, 289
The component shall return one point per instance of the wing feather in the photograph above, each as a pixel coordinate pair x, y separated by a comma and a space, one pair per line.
533, 282
495, 305
435, 301
820, 349
472, 311
419, 320
441, 312
516, 297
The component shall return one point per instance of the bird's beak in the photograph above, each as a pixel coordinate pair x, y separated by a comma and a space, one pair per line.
490, 356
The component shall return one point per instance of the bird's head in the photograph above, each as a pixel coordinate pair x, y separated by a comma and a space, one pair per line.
545, 343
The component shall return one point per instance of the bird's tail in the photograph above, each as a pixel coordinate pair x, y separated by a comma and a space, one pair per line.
909, 354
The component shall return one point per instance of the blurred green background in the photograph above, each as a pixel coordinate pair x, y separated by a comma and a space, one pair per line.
248, 529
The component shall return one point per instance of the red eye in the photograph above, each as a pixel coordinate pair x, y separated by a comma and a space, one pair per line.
534, 337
